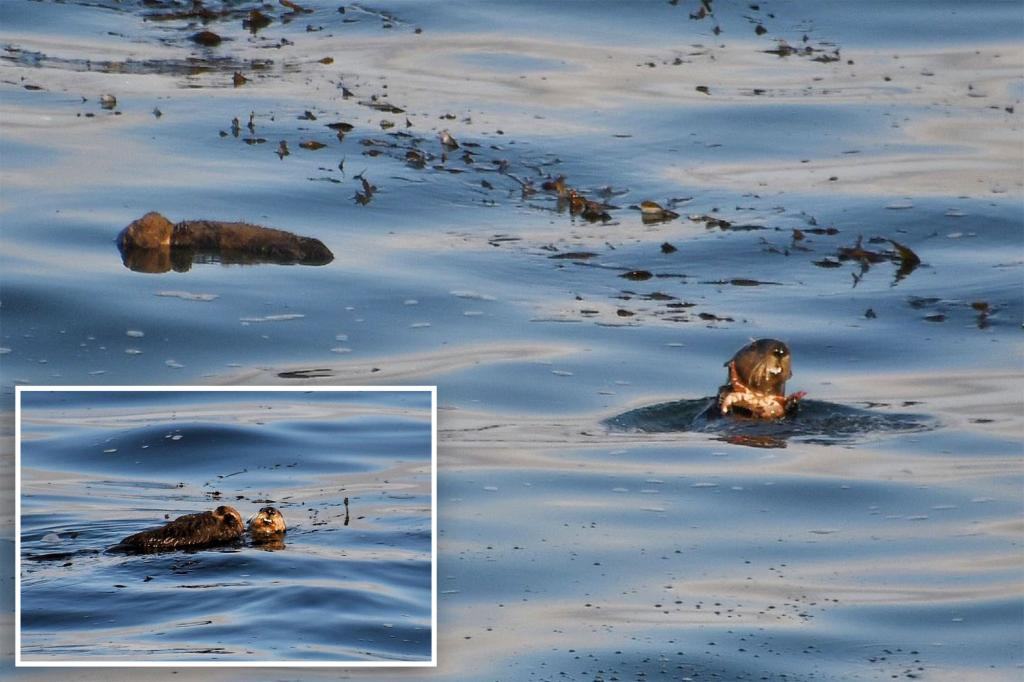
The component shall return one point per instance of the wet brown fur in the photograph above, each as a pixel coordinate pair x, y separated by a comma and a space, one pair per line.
154, 231
222, 525
754, 361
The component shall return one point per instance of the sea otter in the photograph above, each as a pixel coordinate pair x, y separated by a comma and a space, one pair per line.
154, 244
221, 526
757, 382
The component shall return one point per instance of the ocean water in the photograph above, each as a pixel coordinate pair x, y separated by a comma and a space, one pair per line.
589, 527
349, 582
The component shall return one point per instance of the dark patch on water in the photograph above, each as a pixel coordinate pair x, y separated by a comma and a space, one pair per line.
60, 556
817, 421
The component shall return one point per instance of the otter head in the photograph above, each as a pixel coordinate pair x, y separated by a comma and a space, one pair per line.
151, 231
228, 517
764, 366
267, 524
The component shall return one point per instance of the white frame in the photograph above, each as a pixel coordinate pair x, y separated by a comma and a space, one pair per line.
18, 662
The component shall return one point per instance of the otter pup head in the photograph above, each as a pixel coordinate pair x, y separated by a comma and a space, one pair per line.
151, 231
764, 366
267, 524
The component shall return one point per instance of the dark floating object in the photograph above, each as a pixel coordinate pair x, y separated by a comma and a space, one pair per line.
575, 255
206, 39
984, 310
447, 141
703, 11
756, 385
312, 145
568, 197
364, 197
297, 9
711, 222
386, 107
153, 244
637, 275
653, 212
256, 21
668, 248
903, 256
192, 531
237, 79
858, 253
319, 373
908, 260
592, 211
415, 159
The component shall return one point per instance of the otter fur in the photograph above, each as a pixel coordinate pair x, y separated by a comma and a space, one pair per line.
234, 242
191, 531
757, 381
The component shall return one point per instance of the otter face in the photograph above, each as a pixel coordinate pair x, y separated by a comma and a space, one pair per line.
764, 366
228, 517
267, 523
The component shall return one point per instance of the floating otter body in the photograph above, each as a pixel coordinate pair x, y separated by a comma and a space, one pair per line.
154, 244
757, 382
221, 526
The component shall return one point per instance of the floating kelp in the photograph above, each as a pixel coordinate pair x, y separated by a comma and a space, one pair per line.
364, 197
903, 256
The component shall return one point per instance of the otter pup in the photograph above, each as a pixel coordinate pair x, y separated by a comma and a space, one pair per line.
757, 381
153, 244
222, 525
267, 526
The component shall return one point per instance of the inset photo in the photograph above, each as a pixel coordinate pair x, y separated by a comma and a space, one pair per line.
208, 526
